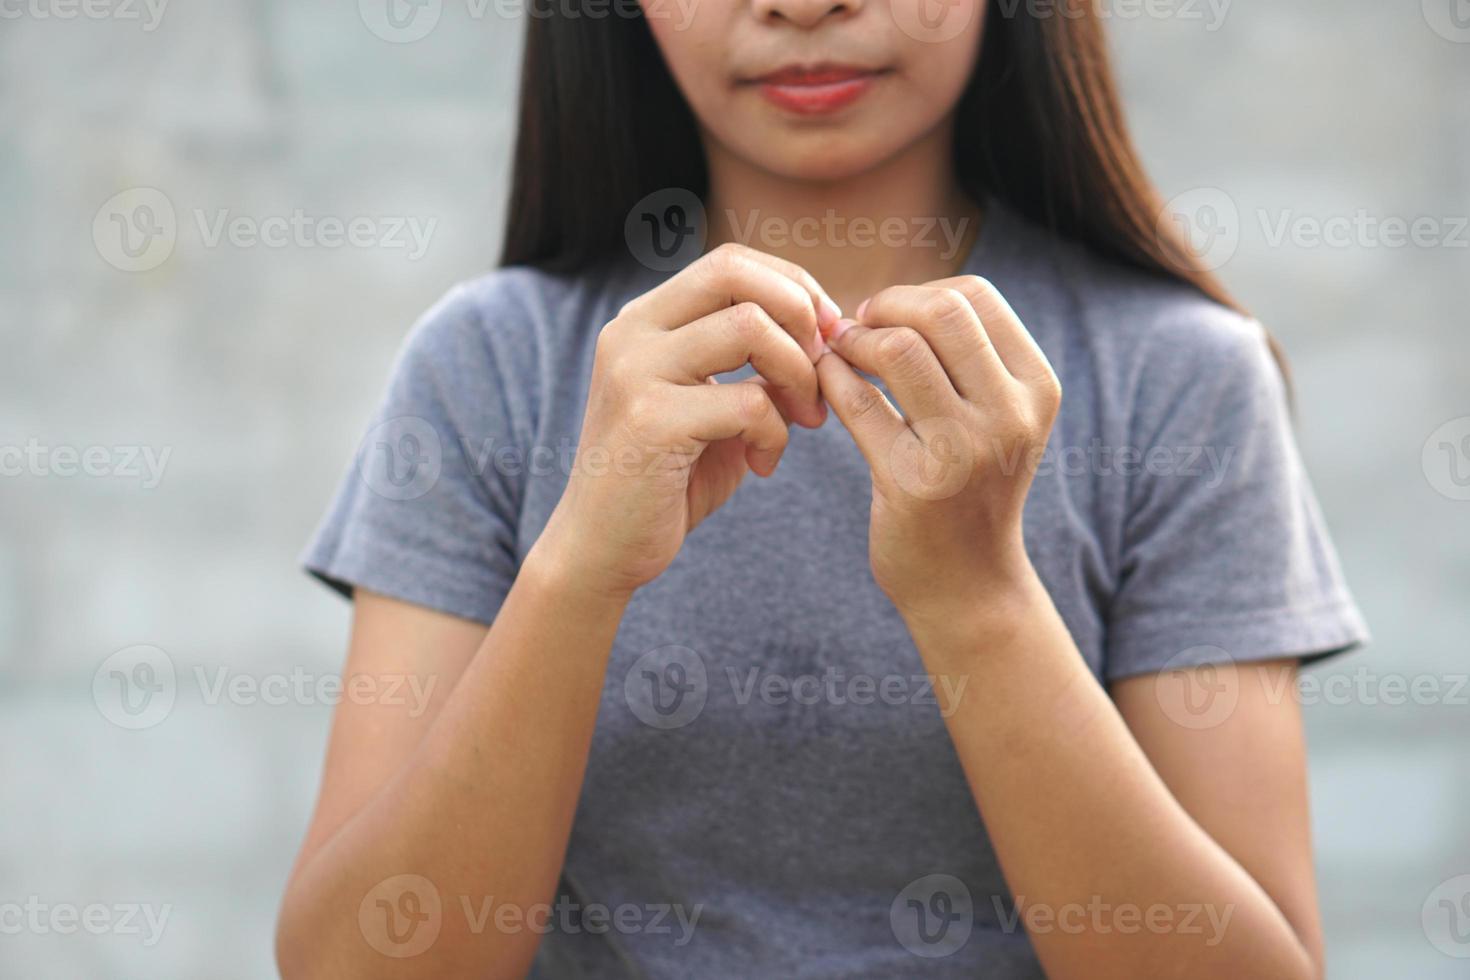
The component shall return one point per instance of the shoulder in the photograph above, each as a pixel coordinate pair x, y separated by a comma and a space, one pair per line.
1146, 339
519, 320
504, 306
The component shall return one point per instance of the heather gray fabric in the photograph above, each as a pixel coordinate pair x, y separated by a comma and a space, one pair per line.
768, 756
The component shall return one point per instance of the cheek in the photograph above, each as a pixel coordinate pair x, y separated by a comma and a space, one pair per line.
937, 76
694, 47
940, 67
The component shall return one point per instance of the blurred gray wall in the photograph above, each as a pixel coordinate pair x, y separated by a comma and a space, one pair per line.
254, 366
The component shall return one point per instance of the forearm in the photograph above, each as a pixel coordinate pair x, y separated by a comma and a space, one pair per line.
1089, 837
484, 807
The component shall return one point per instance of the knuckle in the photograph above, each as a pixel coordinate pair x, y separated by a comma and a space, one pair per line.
724, 261
1033, 413
609, 345
900, 346
865, 403
611, 330
797, 274
949, 308
886, 295
620, 364
630, 310
642, 415
749, 321
1049, 393
749, 402
775, 434
976, 286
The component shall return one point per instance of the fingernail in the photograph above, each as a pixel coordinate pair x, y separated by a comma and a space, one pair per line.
839, 328
861, 308
828, 312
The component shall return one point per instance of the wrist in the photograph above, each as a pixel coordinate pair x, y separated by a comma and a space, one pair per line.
556, 566
982, 612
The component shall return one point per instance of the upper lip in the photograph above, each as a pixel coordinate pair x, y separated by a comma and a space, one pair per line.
824, 73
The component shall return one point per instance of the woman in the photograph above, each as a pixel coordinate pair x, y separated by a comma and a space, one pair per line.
978, 680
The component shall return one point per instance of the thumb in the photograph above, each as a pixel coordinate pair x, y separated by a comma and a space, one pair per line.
861, 406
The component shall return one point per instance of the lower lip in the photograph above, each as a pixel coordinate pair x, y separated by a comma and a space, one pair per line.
817, 100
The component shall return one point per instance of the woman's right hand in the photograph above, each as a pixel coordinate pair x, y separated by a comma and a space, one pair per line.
663, 445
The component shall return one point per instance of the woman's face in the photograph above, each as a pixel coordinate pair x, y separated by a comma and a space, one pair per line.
818, 89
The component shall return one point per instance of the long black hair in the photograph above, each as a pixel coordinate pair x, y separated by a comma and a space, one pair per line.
1039, 127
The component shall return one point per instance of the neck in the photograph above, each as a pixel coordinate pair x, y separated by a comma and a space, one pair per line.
905, 221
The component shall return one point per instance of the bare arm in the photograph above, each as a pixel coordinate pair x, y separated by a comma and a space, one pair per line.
1135, 846
1102, 815
474, 797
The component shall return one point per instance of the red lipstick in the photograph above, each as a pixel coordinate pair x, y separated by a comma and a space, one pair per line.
816, 90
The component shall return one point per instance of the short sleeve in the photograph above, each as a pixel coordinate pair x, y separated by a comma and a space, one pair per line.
419, 516
1224, 553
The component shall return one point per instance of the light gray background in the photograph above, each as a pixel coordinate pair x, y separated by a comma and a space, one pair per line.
255, 368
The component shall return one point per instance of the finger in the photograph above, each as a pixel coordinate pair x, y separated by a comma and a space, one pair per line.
948, 322
745, 333
1018, 350
862, 407
903, 360
734, 274
743, 410
828, 312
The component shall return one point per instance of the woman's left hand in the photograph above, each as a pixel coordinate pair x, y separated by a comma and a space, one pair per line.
952, 465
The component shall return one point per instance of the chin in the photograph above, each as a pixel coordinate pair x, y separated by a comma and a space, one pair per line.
816, 154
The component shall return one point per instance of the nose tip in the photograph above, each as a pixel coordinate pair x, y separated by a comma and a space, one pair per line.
805, 13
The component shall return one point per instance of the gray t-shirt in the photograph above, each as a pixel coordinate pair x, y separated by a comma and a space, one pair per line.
769, 760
